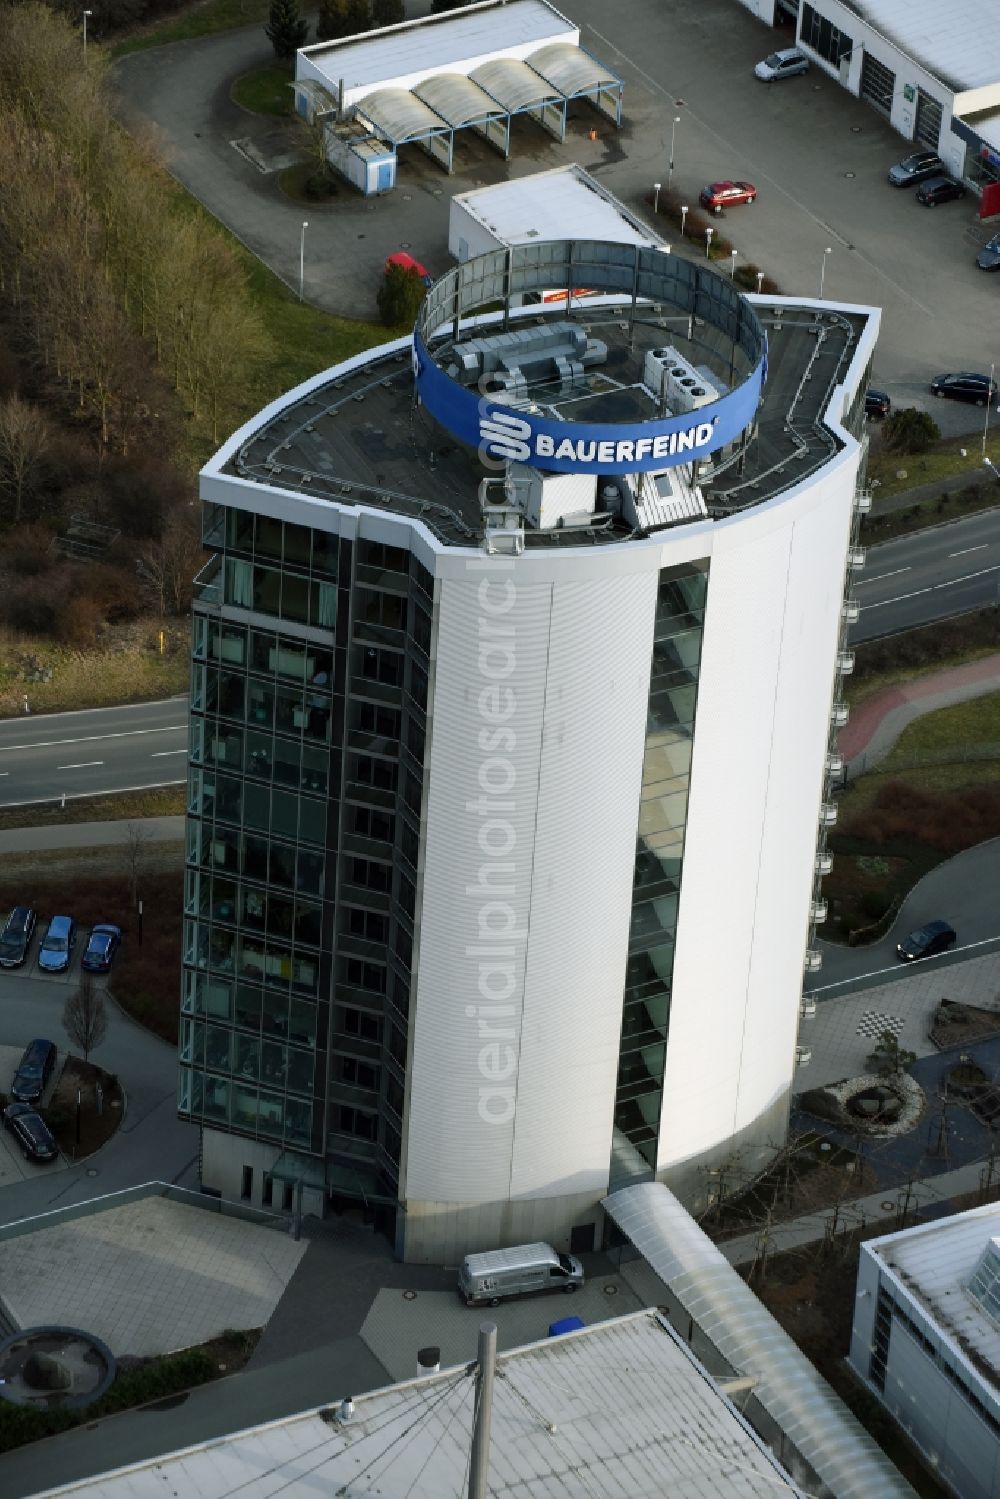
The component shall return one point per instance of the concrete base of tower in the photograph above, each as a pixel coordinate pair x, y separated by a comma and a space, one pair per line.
441, 1233
731, 1165
254, 1173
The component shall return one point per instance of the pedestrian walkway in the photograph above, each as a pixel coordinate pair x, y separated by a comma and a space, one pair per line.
887, 1207
88, 834
875, 725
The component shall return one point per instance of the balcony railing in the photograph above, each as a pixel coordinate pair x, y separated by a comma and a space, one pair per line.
828, 814
813, 961
839, 714
824, 863
850, 611
207, 586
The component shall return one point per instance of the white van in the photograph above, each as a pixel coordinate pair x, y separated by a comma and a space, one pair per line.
529, 1270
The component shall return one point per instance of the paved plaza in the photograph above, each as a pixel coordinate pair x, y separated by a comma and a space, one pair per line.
149, 1277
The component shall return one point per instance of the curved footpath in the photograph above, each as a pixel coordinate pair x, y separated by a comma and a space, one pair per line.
876, 724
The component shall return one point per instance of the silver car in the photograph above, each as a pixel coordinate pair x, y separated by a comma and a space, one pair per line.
783, 64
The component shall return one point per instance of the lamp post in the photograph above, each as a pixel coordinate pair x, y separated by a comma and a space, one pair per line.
684, 214
732, 266
708, 242
85, 15
989, 403
673, 133
822, 269
656, 197
760, 281
302, 257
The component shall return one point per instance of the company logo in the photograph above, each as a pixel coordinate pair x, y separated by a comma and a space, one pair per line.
508, 436
505, 435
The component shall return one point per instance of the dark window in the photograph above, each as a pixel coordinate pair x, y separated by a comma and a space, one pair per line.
287, 1196
358, 1023
370, 823
825, 39
373, 876
356, 1122
359, 1074
246, 1185
369, 771
368, 924
377, 554
382, 666
267, 1190
362, 975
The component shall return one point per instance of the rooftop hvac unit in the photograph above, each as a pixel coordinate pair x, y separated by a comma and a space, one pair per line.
670, 376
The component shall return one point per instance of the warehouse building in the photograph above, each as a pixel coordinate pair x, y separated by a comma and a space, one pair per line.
514, 690
478, 68
932, 71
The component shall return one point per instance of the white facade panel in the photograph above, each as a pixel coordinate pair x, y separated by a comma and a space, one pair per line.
467, 236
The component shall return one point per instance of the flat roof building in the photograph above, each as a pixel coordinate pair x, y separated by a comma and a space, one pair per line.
514, 682
926, 1342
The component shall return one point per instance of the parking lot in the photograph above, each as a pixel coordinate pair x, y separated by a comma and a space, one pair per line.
818, 157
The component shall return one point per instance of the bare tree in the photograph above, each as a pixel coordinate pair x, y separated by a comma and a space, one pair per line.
134, 854
24, 442
85, 1016
168, 565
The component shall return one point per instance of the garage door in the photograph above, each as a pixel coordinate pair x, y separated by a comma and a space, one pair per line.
877, 83
928, 126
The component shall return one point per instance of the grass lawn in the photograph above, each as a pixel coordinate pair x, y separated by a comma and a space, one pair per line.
982, 495
896, 472
265, 91
135, 673
949, 730
130, 806
293, 179
202, 19
882, 664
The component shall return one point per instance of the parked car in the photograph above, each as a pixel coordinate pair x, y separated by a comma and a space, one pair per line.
720, 195
102, 944
530, 1269
15, 939
988, 258
31, 1132
916, 168
965, 385
877, 403
33, 1071
783, 64
407, 263
56, 951
939, 190
935, 937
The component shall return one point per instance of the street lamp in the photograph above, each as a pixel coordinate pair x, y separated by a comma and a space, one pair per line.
760, 281
684, 214
656, 197
85, 15
989, 403
732, 268
673, 132
822, 269
302, 257
708, 242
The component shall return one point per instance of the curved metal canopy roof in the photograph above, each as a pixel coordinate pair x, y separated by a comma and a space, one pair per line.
571, 70
513, 84
457, 99
400, 116
833, 1443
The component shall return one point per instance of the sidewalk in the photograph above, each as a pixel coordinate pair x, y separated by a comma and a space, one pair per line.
877, 723
88, 835
883, 1207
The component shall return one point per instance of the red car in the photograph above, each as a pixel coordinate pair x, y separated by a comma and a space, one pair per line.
407, 263
720, 195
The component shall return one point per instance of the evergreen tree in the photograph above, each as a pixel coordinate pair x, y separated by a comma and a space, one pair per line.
400, 296
439, 6
339, 18
286, 30
388, 12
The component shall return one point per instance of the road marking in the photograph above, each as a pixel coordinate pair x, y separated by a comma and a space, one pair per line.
170, 728
882, 576
83, 765
901, 969
966, 550
902, 597
78, 796
161, 754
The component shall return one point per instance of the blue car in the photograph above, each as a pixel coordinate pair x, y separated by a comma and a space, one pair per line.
102, 944
56, 951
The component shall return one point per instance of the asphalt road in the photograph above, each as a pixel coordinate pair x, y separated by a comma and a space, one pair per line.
964, 891
92, 751
929, 575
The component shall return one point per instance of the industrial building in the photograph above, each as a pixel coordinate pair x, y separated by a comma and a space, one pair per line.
933, 72
419, 82
515, 682
926, 1342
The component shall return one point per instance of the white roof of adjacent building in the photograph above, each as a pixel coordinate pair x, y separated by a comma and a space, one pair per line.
959, 42
935, 1263
436, 44
620, 1410
564, 203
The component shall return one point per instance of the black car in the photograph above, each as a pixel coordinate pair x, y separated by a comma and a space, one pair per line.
102, 944
15, 939
916, 168
988, 258
33, 1071
965, 385
877, 403
939, 190
935, 937
31, 1132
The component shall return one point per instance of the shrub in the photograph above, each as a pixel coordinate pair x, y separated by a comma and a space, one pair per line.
875, 903
909, 431
78, 621
399, 297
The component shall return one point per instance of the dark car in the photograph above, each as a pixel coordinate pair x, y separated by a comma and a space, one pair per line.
939, 190
102, 944
56, 951
31, 1132
33, 1071
916, 168
15, 939
965, 385
988, 258
720, 195
935, 937
877, 403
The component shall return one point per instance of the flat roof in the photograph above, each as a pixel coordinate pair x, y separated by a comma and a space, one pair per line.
564, 203
935, 1263
618, 1408
435, 44
958, 44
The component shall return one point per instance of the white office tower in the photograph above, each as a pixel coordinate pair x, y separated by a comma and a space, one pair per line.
510, 750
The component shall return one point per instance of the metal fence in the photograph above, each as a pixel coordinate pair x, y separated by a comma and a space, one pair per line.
874, 759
